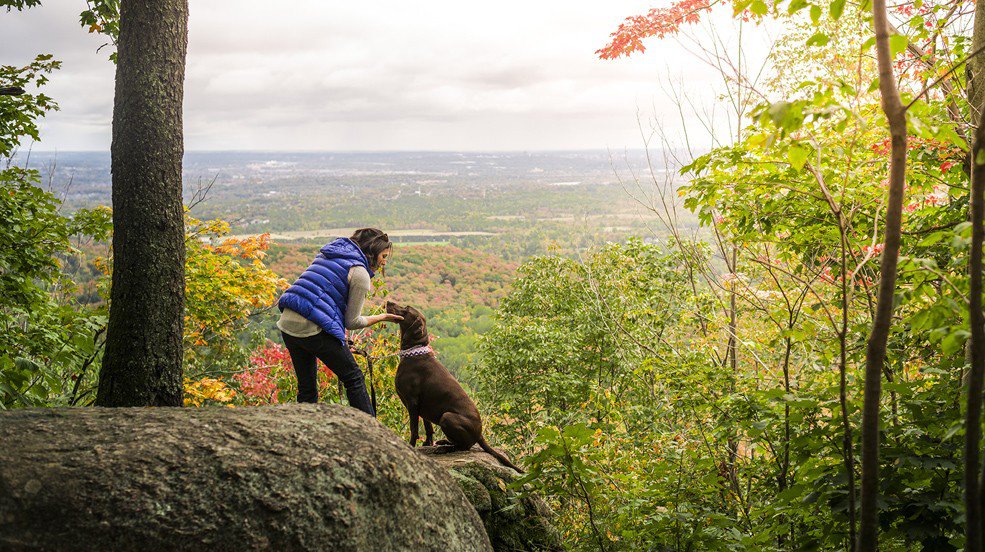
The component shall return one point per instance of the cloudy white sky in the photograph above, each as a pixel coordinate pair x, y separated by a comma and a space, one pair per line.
380, 75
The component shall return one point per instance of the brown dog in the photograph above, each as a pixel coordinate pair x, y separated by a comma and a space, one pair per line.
429, 391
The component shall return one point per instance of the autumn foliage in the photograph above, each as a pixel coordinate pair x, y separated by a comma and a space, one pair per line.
658, 22
431, 278
208, 391
270, 375
226, 282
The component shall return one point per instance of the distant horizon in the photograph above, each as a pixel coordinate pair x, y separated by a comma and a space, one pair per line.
559, 150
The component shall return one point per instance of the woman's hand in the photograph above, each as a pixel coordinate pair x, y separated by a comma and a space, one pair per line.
385, 317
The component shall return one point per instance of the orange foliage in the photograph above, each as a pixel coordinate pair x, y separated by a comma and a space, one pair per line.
207, 390
428, 277
225, 283
659, 22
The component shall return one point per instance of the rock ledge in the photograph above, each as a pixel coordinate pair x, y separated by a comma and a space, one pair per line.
287, 477
513, 520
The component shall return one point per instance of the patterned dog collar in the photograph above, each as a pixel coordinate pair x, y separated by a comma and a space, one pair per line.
416, 351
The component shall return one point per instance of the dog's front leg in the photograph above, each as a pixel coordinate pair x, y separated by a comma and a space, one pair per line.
428, 434
413, 426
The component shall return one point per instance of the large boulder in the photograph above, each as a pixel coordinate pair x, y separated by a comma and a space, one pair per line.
514, 520
290, 477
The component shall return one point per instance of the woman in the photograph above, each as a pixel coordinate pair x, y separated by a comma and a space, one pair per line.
327, 300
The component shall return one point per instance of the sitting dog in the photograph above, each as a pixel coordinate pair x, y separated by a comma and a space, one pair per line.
429, 391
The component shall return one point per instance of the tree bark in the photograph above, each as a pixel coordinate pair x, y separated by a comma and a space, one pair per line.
875, 353
848, 442
974, 532
287, 477
142, 364
973, 419
975, 68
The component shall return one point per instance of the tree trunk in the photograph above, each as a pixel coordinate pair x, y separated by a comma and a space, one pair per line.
875, 353
974, 532
848, 442
142, 364
288, 477
975, 68
973, 420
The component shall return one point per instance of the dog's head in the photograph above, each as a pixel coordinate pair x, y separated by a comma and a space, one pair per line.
413, 328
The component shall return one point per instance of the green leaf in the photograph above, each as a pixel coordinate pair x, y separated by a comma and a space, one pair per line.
27, 365
740, 6
932, 239
897, 43
759, 7
954, 429
578, 432
946, 133
756, 140
818, 39
789, 116
815, 14
954, 341
836, 8
797, 156
795, 6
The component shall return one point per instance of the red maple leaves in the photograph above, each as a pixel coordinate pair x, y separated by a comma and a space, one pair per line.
659, 22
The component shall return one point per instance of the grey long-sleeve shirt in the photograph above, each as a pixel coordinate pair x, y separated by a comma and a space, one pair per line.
296, 325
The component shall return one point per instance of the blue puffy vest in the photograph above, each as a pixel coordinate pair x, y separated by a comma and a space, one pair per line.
322, 291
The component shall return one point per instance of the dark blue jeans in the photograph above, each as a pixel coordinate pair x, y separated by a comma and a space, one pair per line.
305, 354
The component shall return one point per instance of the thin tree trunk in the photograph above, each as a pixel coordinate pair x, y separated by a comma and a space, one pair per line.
875, 353
973, 428
975, 68
732, 443
848, 442
784, 476
973, 414
142, 363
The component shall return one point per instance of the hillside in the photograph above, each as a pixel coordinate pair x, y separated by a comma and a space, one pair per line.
431, 278
457, 289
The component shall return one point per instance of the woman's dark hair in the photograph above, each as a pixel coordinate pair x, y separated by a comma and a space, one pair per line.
372, 242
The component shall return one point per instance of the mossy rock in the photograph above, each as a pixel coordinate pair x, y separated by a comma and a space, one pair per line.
514, 521
289, 477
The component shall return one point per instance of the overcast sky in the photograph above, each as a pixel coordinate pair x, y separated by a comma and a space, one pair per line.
379, 75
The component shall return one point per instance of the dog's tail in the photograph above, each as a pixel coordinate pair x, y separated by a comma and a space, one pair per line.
499, 455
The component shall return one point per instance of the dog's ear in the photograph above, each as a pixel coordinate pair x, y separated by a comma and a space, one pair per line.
417, 315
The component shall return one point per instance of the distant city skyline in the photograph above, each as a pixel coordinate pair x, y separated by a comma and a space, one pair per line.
440, 76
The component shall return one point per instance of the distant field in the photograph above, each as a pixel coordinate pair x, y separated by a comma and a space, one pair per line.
512, 205
401, 235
